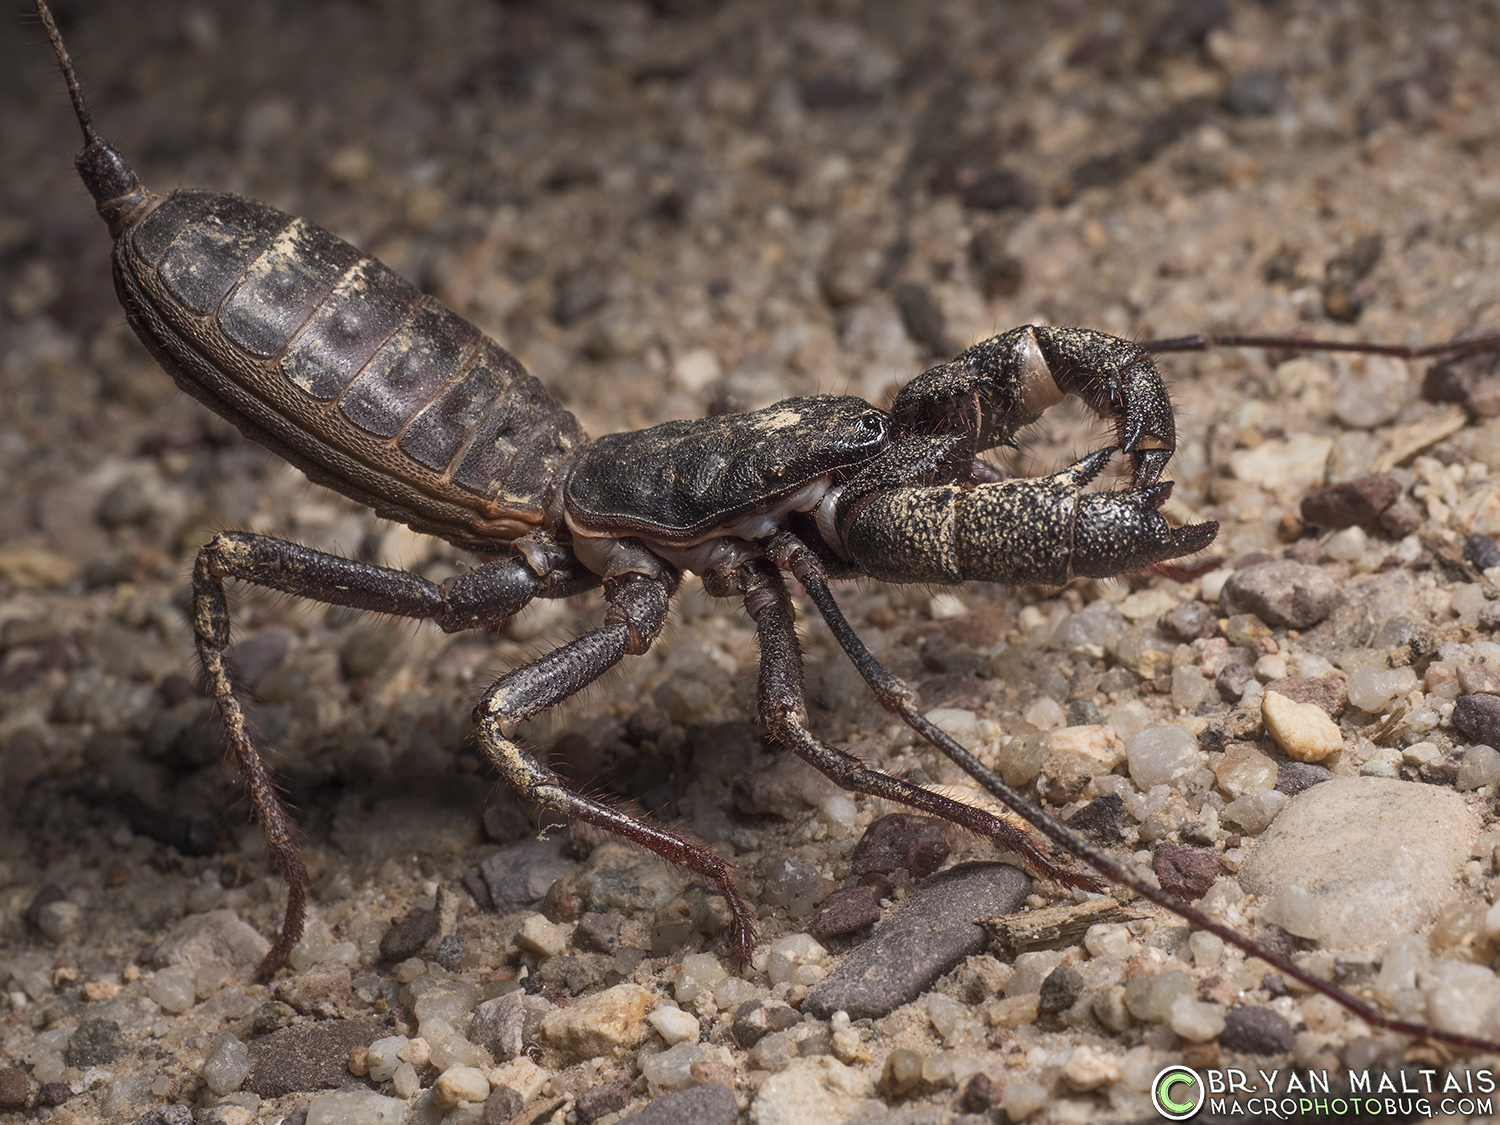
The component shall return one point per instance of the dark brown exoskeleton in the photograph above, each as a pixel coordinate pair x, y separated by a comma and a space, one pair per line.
325, 356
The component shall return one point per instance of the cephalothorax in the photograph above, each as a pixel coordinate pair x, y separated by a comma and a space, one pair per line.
372, 388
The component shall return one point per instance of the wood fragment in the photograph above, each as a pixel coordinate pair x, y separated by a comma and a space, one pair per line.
1054, 927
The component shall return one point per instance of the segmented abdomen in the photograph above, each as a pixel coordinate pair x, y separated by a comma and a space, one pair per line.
344, 368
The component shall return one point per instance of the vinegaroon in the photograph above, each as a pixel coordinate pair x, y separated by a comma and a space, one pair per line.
328, 358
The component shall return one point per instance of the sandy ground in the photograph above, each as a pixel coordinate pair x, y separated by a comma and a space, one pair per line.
662, 209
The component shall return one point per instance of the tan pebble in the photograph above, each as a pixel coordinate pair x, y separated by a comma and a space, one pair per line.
1088, 1069
521, 1075
1303, 730
417, 1052
609, 1022
538, 935
359, 1061
101, 990
460, 1084
1096, 745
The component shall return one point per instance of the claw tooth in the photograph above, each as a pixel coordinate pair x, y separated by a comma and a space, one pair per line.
1154, 496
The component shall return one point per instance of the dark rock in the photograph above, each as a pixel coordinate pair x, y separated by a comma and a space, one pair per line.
1352, 502
918, 843
1293, 777
180, 1115
1256, 1031
312, 1056
53, 1094
1403, 517
15, 1087
521, 875
1281, 592
409, 936
847, 910
1187, 622
702, 1105
497, 1025
1083, 713
1441, 771
1330, 692
1102, 818
598, 933
607, 1097
504, 1103
450, 951
1185, 872
1061, 989
1232, 680
1478, 717
95, 1043
981, 1093
933, 931
755, 1019
1254, 93
1482, 551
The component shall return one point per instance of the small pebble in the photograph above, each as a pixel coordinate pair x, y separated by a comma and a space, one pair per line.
1353, 502
598, 933
674, 1025
1257, 1031
847, 910
97, 1042
357, 1107
1022, 1099
1303, 730
1185, 872
173, 989
1162, 755
1480, 767
1478, 717
538, 935
1295, 911
1195, 1020
227, 1065
381, 1057
1255, 809
14, 1087
1482, 551
504, 1103
1151, 998
1089, 1069
1281, 592
1375, 689
460, 1084
607, 1097
606, 1022
1187, 622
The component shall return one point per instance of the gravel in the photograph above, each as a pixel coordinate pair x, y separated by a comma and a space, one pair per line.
667, 209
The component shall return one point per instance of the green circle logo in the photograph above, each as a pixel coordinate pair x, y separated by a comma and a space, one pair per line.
1177, 1093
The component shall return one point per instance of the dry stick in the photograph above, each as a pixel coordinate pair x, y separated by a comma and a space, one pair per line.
897, 697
